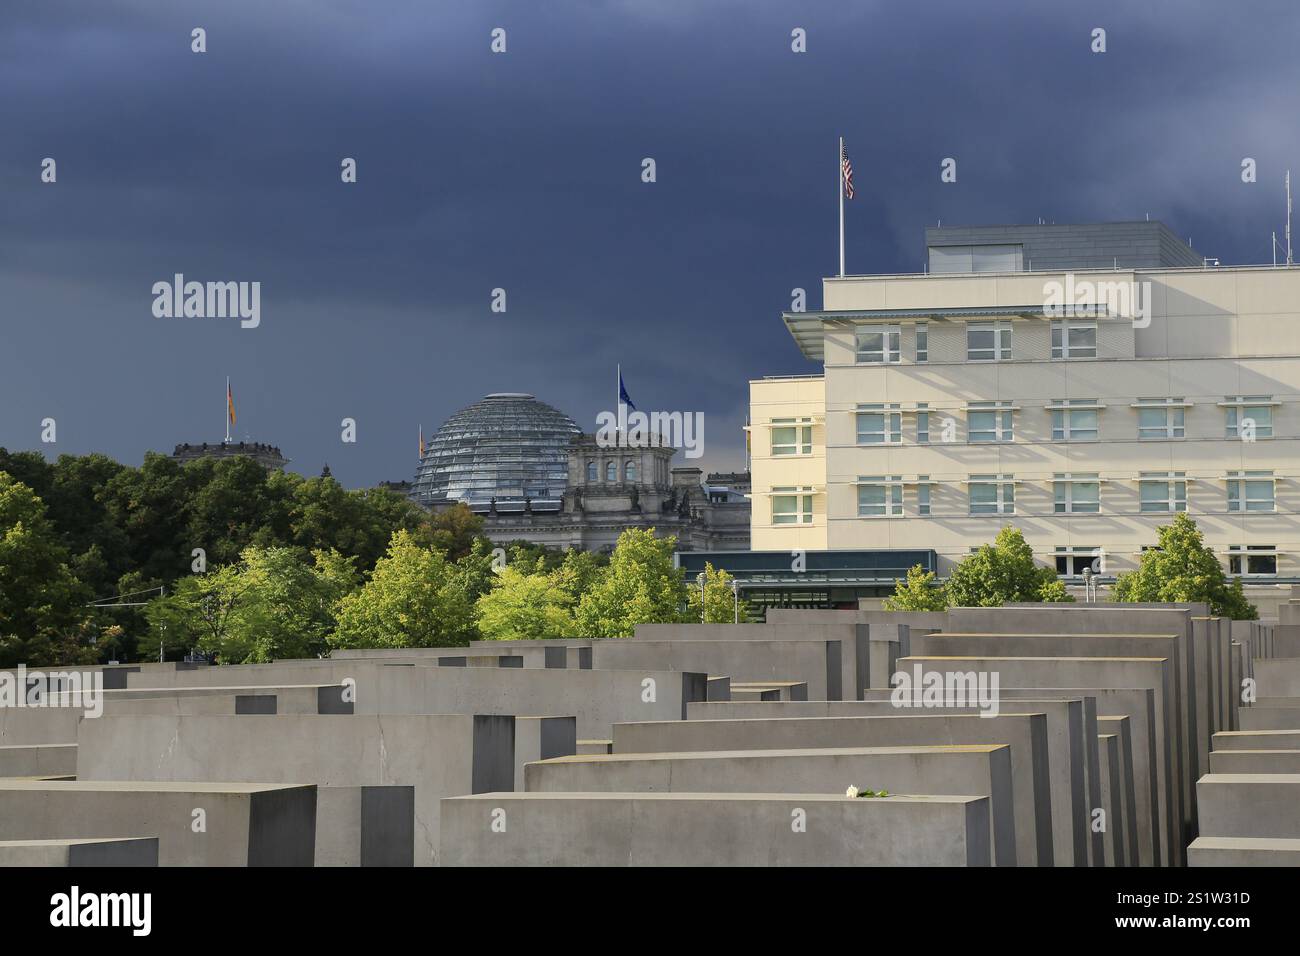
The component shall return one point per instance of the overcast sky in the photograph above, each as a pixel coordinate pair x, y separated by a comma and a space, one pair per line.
522, 171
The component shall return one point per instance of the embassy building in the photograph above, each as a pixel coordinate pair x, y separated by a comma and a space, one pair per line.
1083, 383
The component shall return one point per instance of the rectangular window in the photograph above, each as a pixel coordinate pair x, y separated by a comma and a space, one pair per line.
992, 495
923, 494
989, 422
1162, 493
1071, 561
922, 342
988, 341
879, 343
1074, 340
879, 425
1246, 421
1250, 560
1250, 491
791, 439
880, 496
791, 506
922, 424
1077, 494
1158, 419
1075, 424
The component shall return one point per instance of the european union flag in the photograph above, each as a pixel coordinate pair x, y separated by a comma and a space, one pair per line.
622, 392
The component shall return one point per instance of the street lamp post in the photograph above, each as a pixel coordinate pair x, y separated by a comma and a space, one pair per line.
735, 592
700, 578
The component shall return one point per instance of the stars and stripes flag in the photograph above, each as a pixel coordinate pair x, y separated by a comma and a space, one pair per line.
846, 171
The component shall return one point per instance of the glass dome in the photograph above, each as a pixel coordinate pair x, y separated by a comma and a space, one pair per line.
509, 446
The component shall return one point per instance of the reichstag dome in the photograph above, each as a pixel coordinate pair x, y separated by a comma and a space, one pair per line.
509, 446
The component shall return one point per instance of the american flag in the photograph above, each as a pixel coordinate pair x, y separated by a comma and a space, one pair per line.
846, 169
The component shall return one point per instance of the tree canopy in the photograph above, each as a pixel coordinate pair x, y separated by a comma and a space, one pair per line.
999, 573
1182, 569
220, 555
640, 586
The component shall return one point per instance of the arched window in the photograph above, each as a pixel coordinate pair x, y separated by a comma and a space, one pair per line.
629, 471
591, 471
611, 471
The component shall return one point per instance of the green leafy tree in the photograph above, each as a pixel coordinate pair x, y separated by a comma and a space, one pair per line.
1003, 572
1182, 569
579, 572
289, 607
453, 531
414, 597
524, 606
323, 515
148, 504
640, 586
918, 592
201, 611
719, 598
43, 619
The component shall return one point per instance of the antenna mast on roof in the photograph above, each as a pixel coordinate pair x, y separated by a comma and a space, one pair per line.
1288, 217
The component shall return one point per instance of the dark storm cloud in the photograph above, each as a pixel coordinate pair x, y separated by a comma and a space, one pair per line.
522, 171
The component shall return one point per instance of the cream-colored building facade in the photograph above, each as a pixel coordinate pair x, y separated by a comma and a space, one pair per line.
951, 405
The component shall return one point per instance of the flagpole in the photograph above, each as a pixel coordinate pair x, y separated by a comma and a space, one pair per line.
840, 164
227, 409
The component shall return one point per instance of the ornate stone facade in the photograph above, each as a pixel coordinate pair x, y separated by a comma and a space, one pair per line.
614, 488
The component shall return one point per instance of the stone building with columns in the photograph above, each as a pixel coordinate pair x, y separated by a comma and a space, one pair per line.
534, 476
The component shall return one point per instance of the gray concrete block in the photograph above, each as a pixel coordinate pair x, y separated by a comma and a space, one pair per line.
118, 851
1026, 734
675, 829
854, 645
973, 770
1137, 705
438, 755
598, 700
365, 826
1279, 677
1172, 647
1067, 733
1112, 795
38, 760
1257, 740
1250, 805
764, 690
1121, 727
1255, 761
1271, 718
818, 663
1243, 851
1119, 672
246, 824
542, 738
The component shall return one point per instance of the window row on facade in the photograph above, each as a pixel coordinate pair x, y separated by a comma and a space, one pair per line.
1245, 417
882, 496
1251, 560
985, 342
630, 471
